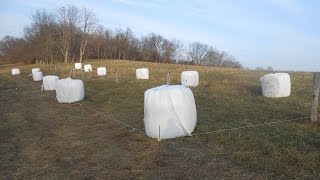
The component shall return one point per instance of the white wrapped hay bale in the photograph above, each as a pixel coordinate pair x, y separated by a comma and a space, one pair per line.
15, 71
34, 70
142, 73
172, 108
37, 76
69, 90
49, 82
102, 71
190, 78
87, 68
78, 66
276, 85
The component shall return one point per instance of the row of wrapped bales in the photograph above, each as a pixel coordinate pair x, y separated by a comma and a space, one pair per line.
67, 90
169, 110
101, 71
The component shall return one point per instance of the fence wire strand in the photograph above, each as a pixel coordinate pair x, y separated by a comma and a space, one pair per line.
251, 126
113, 119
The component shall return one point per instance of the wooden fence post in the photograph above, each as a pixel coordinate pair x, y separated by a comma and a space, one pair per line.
315, 95
168, 78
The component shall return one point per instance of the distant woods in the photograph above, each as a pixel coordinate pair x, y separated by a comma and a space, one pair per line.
72, 34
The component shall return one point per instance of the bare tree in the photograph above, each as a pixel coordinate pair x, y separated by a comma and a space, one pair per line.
68, 18
197, 52
88, 22
41, 35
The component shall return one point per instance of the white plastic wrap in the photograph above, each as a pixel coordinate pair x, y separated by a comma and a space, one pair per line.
190, 78
142, 73
172, 108
87, 68
37, 76
69, 90
102, 71
49, 82
33, 70
15, 71
276, 85
78, 66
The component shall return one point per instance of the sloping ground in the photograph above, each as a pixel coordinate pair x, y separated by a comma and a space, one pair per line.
41, 139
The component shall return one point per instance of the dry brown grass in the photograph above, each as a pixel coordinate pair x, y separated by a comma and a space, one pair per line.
41, 139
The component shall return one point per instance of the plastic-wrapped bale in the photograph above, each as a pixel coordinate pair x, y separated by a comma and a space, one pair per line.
276, 85
87, 68
69, 90
49, 82
170, 110
37, 76
142, 73
15, 71
78, 66
102, 71
190, 78
33, 70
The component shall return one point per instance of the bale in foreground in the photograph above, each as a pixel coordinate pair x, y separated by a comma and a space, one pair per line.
169, 112
276, 85
69, 90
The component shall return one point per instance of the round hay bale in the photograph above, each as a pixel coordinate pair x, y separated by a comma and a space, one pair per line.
15, 71
142, 73
34, 70
190, 78
78, 66
276, 85
102, 71
87, 68
49, 82
169, 111
69, 90
37, 76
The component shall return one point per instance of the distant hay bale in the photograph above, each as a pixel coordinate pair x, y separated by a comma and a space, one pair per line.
15, 71
33, 70
142, 73
190, 78
69, 90
276, 85
170, 110
49, 82
78, 66
87, 68
102, 71
37, 76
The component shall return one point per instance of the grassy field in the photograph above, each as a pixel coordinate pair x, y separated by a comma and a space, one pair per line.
41, 139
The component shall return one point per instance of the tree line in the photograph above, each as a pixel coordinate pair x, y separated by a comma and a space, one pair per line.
72, 34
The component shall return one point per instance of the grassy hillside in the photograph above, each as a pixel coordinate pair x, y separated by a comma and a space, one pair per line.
225, 98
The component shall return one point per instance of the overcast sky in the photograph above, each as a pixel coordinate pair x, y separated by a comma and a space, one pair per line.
284, 34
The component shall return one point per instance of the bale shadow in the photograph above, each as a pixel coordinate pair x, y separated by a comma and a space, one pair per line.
254, 90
